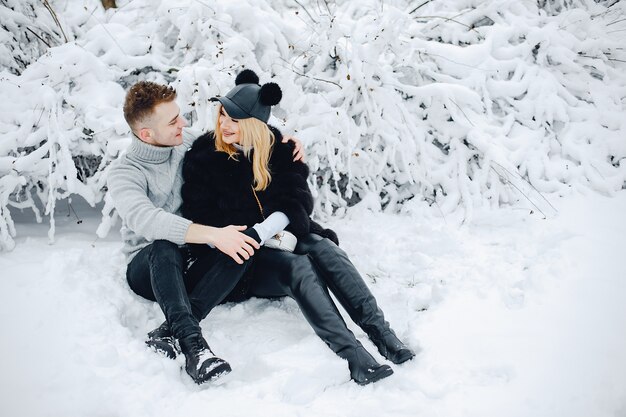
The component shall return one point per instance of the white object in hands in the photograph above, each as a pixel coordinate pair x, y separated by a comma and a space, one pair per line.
282, 241
275, 223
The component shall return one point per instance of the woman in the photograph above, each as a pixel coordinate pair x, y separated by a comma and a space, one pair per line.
242, 174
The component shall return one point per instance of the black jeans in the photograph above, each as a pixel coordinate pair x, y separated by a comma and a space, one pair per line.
268, 274
157, 273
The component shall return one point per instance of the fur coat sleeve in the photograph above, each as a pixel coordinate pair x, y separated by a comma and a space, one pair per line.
288, 191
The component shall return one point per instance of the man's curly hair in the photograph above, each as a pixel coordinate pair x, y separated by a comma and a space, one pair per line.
142, 98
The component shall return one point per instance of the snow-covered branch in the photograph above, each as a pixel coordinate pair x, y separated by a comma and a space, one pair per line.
463, 104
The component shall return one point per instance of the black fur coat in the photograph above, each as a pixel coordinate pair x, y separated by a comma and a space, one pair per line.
217, 190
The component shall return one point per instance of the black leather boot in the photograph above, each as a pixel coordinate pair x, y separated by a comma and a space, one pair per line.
200, 362
363, 367
322, 314
161, 340
391, 347
297, 277
348, 286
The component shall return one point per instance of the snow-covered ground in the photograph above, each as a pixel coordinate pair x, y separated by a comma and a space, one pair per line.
512, 315
464, 104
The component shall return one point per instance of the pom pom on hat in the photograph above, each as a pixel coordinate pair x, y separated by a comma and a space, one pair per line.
249, 99
247, 76
270, 94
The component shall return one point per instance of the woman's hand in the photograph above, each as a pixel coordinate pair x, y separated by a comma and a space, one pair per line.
298, 152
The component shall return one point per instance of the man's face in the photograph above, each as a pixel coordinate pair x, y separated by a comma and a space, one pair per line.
165, 126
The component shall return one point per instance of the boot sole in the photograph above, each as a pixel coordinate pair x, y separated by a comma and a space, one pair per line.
162, 348
382, 372
404, 358
216, 373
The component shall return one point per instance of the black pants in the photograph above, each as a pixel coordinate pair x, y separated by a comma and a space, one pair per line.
275, 273
157, 273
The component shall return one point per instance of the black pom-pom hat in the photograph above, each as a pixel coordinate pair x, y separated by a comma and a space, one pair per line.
249, 99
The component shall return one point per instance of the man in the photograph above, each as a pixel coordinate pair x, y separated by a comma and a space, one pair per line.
145, 186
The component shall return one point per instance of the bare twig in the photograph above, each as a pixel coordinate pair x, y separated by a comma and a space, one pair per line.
328, 8
56, 19
520, 191
615, 21
307, 76
440, 211
459, 107
109, 33
597, 57
418, 7
70, 208
205, 5
455, 62
449, 19
40, 116
38, 37
608, 10
529, 183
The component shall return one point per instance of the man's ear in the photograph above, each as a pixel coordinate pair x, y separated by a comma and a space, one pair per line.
145, 134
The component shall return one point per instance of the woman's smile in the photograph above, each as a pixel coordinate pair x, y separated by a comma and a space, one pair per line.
229, 127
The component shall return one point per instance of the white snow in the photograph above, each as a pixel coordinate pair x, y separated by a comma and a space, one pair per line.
512, 314
506, 117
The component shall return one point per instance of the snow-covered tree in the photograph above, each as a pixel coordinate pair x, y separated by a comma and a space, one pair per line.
460, 103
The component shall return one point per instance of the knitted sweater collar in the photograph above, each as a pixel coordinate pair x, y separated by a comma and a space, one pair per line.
149, 153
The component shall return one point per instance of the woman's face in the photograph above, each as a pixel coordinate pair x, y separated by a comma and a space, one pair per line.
229, 128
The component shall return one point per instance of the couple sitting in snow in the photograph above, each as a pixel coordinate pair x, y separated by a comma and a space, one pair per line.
225, 217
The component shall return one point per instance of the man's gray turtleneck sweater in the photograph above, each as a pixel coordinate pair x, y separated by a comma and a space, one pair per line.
145, 187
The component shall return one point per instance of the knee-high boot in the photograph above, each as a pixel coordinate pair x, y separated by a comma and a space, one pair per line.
298, 279
348, 286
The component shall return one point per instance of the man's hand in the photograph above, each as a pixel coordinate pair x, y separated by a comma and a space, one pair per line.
298, 152
228, 240
235, 244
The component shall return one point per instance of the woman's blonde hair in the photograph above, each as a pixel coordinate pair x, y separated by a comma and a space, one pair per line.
255, 135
